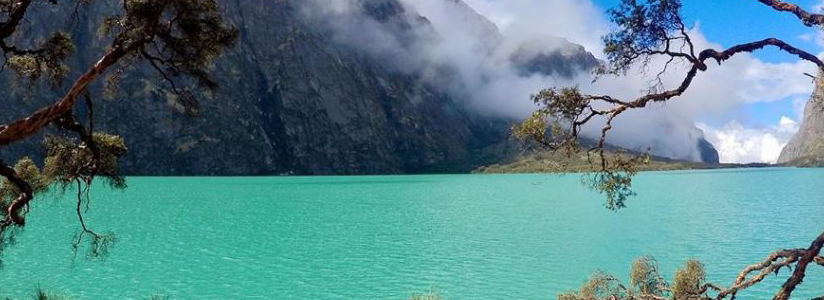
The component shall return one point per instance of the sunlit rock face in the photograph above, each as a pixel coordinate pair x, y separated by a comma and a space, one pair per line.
806, 148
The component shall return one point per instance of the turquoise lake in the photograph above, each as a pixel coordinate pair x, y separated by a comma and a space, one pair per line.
387, 237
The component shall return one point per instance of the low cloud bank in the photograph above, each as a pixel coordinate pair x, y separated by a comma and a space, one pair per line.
738, 144
474, 52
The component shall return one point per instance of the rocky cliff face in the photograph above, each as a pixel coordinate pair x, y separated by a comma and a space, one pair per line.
293, 100
566, 61
806, 148
708, 152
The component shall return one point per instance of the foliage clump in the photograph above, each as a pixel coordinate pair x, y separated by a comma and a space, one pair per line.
67, 160
48, 59
181, 53
645, 283
688, 280
553, 123
644, 276
27, 171
644, 29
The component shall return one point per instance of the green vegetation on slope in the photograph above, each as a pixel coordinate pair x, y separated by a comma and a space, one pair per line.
561, 162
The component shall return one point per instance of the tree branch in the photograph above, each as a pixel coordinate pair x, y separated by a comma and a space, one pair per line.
23, 128
25, 194
784, 258
797, 277
750, 47
807, 18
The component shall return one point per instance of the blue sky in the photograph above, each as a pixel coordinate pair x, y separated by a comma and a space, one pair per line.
731, 22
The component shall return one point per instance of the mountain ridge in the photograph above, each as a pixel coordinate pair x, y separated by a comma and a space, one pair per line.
293, 100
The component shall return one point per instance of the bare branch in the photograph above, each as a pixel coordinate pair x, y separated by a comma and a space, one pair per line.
807, 18
772, 264
80, 192
26, 127
800, 268
25, 194
750, 47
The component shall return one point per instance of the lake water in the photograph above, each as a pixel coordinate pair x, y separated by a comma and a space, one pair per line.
387, 237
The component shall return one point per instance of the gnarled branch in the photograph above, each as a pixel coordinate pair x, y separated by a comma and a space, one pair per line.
808, 19
750, 47
810, 255
23, 128
25, 194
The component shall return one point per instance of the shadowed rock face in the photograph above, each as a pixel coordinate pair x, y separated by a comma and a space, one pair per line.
708, 153
806, 148
292, 101
566, 61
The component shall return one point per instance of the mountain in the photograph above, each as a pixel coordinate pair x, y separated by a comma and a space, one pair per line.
707, 151
806, 148
565, 61
294, 99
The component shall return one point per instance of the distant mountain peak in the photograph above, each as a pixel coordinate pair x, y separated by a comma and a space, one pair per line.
565, 59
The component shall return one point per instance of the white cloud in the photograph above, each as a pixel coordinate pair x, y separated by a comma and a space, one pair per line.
737, 144
776, 81
798, 104
578, 21
818, 35
787, 122
818, 8
719, 94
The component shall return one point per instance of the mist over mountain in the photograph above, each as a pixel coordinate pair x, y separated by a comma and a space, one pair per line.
343, 87
467, 55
